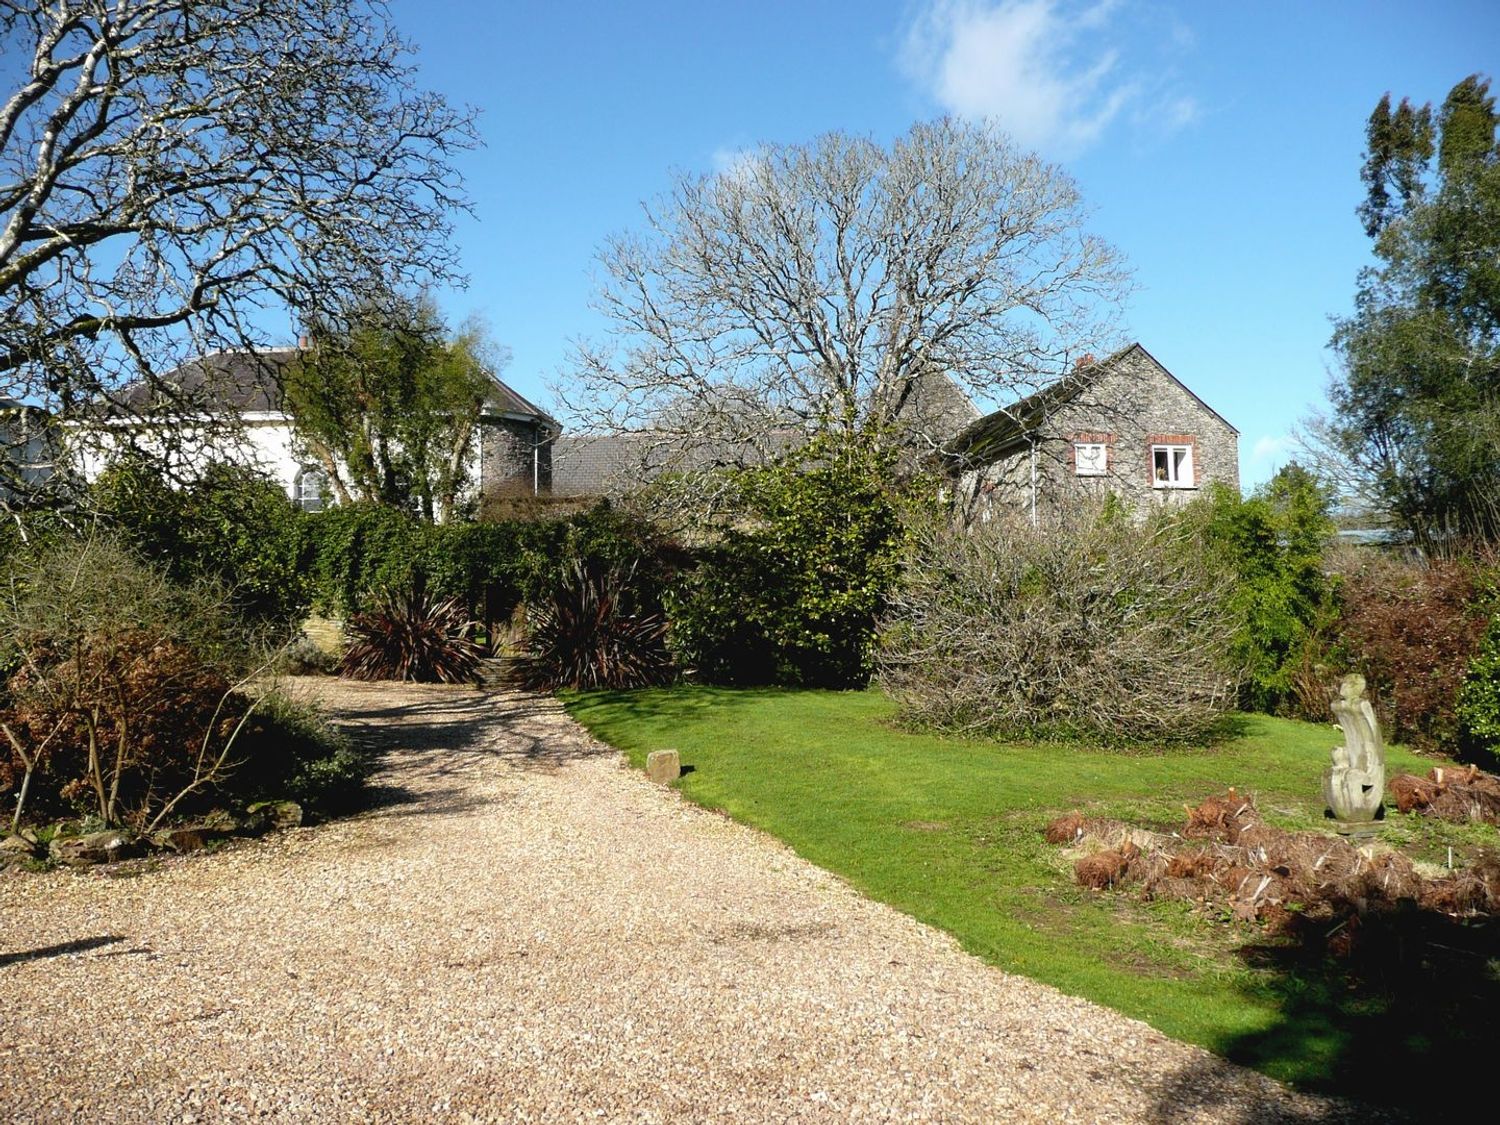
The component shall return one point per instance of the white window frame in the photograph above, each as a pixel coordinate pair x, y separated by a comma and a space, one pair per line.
1180, 473
302, 500
1098, 464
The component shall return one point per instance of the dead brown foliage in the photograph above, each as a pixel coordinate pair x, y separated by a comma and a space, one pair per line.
1226, 855
1412, 628
1065, 829
1458, 795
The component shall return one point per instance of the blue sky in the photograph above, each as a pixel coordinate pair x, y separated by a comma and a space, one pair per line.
1218, 145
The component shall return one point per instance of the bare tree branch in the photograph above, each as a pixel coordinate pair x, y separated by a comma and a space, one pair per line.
172, 170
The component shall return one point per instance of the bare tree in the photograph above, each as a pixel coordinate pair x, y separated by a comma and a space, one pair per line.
173, 171
840, 285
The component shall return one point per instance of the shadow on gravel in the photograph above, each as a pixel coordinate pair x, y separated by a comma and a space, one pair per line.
523, 730
1200, 1089
82, 945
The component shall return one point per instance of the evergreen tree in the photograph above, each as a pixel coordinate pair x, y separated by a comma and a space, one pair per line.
1417, 404
390, 407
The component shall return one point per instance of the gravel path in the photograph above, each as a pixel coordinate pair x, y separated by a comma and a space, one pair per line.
525, 931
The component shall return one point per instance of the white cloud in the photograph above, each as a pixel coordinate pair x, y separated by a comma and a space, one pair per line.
1049, 72
735, 163
1270, 448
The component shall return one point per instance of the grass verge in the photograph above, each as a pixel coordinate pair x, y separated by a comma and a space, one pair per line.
949, 831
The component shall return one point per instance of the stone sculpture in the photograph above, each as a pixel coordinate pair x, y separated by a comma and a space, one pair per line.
1354, 786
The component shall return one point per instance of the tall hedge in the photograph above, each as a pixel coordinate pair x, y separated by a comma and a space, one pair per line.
791, 591
349, 554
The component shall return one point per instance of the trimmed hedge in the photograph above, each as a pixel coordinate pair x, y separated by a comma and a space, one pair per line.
349, 555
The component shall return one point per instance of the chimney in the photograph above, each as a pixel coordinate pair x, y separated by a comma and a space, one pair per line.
1085, 360
303, 342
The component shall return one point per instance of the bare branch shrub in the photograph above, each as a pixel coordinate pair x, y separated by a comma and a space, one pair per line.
124, 693
1093, 625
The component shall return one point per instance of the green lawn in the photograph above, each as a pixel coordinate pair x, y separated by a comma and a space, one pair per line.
950, 832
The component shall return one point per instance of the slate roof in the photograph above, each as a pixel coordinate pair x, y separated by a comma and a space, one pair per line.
613, 464
250, 382
1008, 429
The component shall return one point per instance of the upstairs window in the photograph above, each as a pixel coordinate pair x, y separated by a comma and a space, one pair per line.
1172, 466
1090, 458
311, 489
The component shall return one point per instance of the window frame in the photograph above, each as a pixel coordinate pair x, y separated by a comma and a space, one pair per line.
1184, 474
300, 499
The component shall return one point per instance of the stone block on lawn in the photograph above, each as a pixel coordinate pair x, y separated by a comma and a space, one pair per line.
663, 766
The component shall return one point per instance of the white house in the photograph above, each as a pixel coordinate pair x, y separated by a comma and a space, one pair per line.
512, 454
26, 456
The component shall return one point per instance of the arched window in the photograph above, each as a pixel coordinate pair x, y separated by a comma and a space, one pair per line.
311, 490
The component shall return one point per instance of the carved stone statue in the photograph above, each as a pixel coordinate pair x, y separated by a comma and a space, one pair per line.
1354, 786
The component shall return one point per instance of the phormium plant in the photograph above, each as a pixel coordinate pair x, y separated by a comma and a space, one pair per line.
589, 633
409, 635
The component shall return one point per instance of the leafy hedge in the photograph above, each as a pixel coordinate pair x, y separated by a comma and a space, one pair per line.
1274, 544
791, 592
350, 555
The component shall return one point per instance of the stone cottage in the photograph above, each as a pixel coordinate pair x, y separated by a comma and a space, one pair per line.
512, 454
1123, 425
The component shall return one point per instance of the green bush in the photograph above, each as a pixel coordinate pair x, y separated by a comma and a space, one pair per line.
791, 591
353, 552
290, 752
1282, 600
1479, 701
231, 525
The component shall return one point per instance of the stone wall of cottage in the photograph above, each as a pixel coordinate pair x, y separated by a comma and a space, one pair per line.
1130, 408
513, 457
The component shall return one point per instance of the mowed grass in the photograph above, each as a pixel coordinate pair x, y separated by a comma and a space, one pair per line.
950, 831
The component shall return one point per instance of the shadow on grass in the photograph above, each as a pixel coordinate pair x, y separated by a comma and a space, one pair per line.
1396, 1008
672, 705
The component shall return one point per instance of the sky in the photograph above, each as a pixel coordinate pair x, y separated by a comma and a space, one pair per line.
1217, 146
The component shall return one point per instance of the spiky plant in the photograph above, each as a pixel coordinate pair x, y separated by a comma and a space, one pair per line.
586, 636
409, 635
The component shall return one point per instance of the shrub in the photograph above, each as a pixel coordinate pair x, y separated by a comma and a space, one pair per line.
1412, 628
1090, 627
411, 636
1282, 600
352, 553
1478, 711
290, 752
231, 525
119, 697
590, 633
790, 593
305, 657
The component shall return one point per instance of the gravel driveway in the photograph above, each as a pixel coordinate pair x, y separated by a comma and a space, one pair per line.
523, 930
